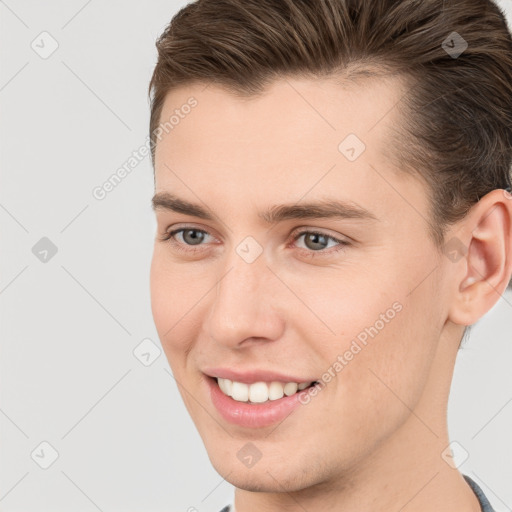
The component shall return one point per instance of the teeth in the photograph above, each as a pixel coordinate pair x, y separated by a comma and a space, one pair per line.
259, 392
290, 388
275, 391
240, 391
225, 385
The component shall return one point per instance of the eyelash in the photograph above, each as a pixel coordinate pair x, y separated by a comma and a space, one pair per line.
169, 236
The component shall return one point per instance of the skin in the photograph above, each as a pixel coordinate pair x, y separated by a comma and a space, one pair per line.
372, 438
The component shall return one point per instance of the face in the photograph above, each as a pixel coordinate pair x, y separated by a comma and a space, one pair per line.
255, 292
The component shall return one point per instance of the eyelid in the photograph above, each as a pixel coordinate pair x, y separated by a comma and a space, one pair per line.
321, 231
184, 227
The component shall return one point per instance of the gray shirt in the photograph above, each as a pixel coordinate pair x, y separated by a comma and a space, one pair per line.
484, 502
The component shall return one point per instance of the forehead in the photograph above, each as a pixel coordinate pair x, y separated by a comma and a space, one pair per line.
307, 110
299, 137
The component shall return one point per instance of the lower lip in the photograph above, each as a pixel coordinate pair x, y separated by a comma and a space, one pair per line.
252, 415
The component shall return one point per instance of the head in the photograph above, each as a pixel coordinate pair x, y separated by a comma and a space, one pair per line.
402, 112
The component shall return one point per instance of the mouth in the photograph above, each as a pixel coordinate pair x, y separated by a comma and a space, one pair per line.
256, 405
260, 392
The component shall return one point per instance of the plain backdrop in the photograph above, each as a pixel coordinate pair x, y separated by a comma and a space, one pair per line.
74, 285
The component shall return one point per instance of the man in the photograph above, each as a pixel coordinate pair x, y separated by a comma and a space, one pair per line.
333, 207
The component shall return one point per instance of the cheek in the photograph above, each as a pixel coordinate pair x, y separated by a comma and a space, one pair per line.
173, 299
387, 378
349, 311
383, 346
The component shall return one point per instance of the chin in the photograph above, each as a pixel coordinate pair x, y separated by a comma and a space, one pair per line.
264, 476
258, 481
254, 484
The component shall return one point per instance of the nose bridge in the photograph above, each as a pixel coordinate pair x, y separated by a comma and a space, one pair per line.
243, 304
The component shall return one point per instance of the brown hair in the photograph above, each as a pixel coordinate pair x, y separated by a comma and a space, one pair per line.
457, 112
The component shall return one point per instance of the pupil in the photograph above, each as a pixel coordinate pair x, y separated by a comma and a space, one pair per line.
197, 238
314, 237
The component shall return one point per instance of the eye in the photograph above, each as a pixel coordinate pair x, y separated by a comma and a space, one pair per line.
316, 241
190, 236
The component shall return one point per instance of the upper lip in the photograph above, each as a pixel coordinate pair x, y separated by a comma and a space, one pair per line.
254, 375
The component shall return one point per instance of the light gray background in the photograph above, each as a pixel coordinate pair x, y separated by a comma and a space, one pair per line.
69, 326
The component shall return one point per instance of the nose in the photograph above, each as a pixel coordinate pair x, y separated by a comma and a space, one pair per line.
244, 307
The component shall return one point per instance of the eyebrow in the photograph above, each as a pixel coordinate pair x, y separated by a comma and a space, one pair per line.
327, 208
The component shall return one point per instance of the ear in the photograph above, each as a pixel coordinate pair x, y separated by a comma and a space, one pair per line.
483, 241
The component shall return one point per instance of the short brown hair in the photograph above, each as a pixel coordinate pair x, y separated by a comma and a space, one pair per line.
457, 122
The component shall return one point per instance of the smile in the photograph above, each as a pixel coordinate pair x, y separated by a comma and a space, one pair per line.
259, 392
255, 405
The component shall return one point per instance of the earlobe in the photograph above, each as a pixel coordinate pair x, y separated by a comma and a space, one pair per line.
487, 234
